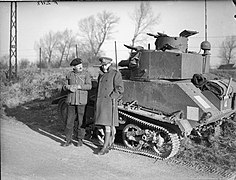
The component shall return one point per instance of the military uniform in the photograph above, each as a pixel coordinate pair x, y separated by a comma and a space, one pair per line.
110, 89
78, 85
110, 86
78, 96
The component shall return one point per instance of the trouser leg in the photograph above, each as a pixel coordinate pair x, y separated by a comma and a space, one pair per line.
70, 123
80, 113
105, 149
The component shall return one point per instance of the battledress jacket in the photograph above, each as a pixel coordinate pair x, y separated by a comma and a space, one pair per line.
110, 86
78, 96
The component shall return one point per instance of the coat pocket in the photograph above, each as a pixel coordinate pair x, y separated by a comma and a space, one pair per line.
83, 97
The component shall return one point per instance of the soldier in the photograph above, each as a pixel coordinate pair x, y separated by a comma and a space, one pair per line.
79, 82
110, 89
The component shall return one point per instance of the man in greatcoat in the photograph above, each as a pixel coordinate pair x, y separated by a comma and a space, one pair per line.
78, 84
110, 89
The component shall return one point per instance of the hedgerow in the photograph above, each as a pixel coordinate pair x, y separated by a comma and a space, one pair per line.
32, 85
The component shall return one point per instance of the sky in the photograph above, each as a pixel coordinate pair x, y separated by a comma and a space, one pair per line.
34, 21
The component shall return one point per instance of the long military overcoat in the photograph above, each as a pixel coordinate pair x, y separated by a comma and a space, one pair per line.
110, 86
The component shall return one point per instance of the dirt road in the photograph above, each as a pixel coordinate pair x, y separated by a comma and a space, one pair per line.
31, 150
27, 154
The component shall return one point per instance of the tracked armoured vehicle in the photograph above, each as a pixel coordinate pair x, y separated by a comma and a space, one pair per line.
167, 97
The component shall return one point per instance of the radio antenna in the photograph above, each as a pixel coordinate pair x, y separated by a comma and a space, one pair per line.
205, 20
205, 45
116, 55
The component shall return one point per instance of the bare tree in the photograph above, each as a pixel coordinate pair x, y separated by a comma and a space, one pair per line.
84, 51
144, 20
94, 30
24, 63
228, 50
66, 40
48, 44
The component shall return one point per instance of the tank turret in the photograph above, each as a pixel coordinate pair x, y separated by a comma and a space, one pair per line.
170, 59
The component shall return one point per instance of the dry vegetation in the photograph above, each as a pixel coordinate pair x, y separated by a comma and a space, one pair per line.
34, 85
225, 73
221, 153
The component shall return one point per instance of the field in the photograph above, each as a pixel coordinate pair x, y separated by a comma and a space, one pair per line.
225, 73
35, 86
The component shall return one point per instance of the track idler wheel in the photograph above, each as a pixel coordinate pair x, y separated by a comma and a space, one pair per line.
167, 145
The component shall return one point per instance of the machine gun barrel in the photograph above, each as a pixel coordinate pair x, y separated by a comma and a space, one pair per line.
130, 47
150, 34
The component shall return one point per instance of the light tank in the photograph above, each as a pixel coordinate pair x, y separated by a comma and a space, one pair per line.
167, 97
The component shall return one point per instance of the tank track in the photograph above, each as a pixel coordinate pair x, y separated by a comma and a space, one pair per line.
198, 167
224, 174
174, 139
176, 144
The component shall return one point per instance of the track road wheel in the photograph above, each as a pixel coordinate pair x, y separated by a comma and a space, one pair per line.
131, 137
167, 144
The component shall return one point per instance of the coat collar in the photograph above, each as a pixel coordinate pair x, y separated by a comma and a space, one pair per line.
77, 72
102, 72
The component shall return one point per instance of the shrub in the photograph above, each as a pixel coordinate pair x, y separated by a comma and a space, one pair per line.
221, 154
32, 85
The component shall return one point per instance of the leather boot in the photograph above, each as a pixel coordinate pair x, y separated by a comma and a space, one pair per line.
80, 143
80, 136
67, 143
68, 133
105, 148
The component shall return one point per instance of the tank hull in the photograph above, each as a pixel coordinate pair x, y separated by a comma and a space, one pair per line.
177, 96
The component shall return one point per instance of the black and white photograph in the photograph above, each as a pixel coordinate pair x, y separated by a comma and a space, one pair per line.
121, 90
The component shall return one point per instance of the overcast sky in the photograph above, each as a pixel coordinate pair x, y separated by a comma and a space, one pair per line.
34, 21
